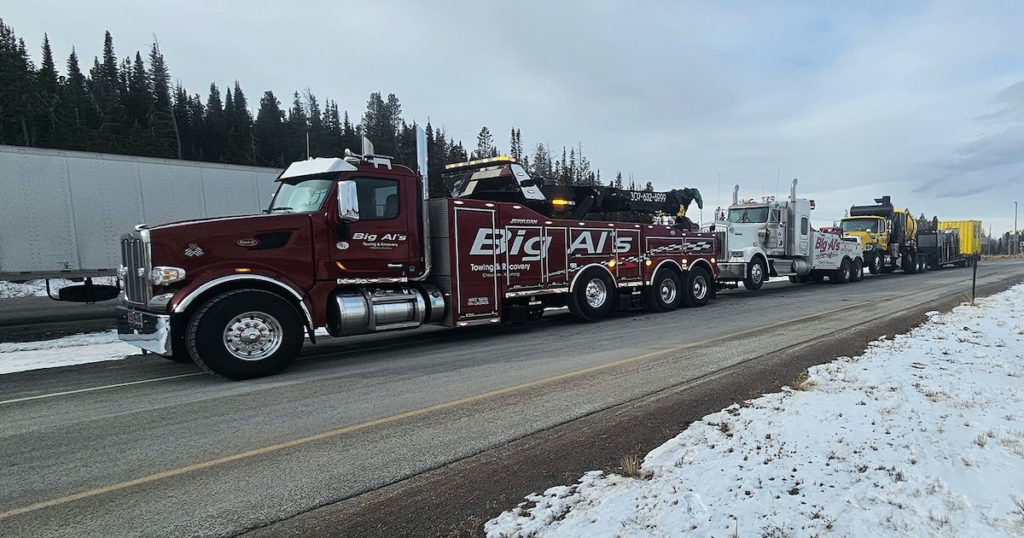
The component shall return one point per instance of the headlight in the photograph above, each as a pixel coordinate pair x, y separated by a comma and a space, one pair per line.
161, 275
736, 254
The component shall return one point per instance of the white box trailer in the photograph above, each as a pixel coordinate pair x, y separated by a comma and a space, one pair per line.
62, 212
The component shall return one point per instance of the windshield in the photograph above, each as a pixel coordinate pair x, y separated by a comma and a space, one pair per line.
749, 214
859, 225
301, 196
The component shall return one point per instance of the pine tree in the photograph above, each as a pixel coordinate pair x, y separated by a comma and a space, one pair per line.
297, 128
269, 132
376, 124
162, 124
238, 145
541, 166
138, 98
618, 180
16, 90
485, 145
76, 107
48, 99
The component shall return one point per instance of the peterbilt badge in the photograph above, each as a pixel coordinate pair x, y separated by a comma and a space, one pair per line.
193, 250
248, 243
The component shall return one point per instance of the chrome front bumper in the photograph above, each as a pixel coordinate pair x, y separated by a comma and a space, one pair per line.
151, 332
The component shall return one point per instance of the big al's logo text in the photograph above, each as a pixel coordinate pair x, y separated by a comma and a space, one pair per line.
493, 242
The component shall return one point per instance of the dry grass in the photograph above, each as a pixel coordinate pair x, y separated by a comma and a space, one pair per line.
631, 465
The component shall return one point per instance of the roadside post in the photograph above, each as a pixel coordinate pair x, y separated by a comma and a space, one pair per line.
974, 279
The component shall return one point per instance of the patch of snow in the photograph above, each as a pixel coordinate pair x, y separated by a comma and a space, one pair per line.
37, 288
71, 350
66, 351
921, 435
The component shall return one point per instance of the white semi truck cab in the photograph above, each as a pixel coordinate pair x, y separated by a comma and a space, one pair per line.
773, 237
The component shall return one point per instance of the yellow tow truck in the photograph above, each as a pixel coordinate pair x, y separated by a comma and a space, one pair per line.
888, 236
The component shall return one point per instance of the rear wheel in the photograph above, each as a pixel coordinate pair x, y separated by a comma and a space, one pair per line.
591, 299
857, 272
842, 274
697, 287
757, 273
245, 334
664, 291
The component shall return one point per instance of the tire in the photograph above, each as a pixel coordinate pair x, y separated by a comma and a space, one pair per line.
816, 276
857, 271
910, 263
757, 273
875, 266
215, 332
593, 295
664, 292
842, 274
698, 288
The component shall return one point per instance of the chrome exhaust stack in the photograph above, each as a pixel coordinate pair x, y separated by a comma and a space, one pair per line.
421, 165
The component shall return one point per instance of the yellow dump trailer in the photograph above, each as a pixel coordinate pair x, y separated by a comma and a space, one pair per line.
970, 234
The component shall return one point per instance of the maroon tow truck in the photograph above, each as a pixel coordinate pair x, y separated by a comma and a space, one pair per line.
354, 245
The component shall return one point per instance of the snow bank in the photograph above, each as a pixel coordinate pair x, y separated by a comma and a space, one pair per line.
37, 288
77, 349
921, 435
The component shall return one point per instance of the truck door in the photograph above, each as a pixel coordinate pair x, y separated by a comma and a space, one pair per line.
377, 245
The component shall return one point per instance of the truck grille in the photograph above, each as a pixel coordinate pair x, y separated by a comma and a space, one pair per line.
135, 268
720, 245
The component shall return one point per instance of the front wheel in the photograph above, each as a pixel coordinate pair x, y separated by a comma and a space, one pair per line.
591, 299
697, 288
663, 293
875, 266
757, 272
245, 334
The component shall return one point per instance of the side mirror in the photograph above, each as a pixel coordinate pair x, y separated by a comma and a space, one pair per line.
348, 201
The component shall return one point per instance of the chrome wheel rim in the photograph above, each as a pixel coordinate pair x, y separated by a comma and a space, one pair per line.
596, 293
756, 273
253, 336
700, 288
668, 291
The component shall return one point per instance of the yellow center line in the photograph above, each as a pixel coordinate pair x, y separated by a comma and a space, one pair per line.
890, 299
104, 387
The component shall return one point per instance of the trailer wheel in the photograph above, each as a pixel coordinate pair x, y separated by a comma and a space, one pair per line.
697, 288
842, 274
875, 265
244, 334
664, 291
857, 272
591, 299
757, 273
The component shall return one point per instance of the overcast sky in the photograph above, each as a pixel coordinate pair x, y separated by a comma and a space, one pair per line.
920, 100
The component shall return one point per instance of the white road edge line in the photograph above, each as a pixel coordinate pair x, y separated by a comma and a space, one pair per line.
104, 387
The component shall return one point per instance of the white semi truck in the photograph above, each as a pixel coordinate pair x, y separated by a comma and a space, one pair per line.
762, 239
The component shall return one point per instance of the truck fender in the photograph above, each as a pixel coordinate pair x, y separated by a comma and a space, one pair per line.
288, 290
671, 263
701, 262
572, 285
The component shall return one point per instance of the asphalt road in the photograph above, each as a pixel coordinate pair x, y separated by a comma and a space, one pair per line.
150, 448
